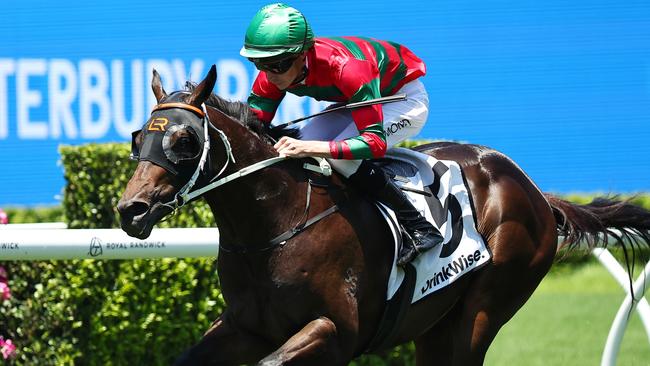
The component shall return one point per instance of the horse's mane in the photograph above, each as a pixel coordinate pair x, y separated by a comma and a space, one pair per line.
241, 112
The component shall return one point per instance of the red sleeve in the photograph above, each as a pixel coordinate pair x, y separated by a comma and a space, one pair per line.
264, 98
359, 81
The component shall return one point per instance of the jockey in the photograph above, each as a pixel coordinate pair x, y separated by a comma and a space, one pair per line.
281, 44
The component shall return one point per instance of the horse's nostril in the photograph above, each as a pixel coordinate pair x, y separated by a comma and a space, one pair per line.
135, 208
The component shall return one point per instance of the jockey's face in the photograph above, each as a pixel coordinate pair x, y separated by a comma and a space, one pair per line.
285, 79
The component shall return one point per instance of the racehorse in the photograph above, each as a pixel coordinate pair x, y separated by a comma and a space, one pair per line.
306, 284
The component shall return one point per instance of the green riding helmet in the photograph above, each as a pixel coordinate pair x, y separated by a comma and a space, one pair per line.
277, 30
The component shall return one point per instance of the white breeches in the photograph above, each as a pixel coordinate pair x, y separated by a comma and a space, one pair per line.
402, 120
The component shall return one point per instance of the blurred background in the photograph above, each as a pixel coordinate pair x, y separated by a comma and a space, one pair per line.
562, 87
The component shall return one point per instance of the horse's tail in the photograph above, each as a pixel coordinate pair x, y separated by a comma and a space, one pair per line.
594, 223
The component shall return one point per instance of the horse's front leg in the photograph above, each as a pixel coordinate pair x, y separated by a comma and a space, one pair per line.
315, 344
224, 344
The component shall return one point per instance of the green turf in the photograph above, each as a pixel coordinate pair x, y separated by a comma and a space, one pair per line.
566, 322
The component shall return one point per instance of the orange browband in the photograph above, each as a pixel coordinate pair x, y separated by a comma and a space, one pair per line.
179, 105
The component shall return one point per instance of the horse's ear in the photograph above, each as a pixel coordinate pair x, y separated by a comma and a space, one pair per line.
204, 89
156, 86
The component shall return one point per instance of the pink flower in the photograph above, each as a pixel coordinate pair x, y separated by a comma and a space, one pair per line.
5, 292
7, 348
4, 218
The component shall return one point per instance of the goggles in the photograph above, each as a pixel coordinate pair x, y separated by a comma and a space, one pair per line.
276, 67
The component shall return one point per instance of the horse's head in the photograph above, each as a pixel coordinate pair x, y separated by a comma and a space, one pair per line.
172, 150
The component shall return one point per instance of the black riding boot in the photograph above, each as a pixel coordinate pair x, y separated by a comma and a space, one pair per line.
419, 234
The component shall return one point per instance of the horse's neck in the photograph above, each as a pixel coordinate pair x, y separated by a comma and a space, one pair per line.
255, 208
247, 148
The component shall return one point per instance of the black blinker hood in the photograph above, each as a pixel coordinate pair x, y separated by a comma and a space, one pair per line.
153, 133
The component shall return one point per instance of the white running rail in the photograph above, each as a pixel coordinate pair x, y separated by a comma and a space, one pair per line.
41, 242
616, 332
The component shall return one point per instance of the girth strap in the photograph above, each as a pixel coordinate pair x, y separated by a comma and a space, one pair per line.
282, 238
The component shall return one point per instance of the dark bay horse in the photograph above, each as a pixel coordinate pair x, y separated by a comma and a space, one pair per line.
317, 298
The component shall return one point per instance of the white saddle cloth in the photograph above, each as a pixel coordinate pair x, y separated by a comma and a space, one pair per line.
449, 208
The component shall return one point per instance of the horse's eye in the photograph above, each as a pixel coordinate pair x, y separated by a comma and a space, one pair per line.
186, 146
181, 145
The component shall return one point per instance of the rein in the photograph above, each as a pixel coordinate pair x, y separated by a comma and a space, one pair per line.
185, 194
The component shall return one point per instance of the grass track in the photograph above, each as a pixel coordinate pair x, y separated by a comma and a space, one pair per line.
566, 322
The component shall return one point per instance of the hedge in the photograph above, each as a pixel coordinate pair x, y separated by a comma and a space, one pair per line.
101, 312
19, 215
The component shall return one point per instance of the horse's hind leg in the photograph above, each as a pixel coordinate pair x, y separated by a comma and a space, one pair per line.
493, 296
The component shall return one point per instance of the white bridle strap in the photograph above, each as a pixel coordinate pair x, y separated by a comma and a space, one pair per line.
323, 168
204, 157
